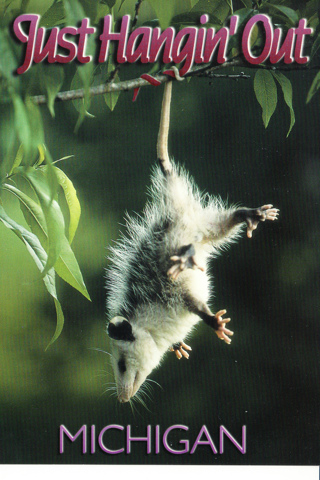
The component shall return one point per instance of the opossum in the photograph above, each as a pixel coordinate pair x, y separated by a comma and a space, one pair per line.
158, 284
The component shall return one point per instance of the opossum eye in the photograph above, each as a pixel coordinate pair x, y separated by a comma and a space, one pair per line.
120, 329
122, 365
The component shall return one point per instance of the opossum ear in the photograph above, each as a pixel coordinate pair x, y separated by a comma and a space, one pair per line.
120, 329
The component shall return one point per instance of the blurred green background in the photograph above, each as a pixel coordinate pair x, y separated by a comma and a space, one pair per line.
268, 379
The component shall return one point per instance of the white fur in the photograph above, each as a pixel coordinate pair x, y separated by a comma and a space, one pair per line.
159, 316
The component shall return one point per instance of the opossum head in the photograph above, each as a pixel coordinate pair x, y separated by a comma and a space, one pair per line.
134, 356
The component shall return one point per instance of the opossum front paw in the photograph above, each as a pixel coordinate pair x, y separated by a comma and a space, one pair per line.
260, 215
183, 260
180, 350
220, 328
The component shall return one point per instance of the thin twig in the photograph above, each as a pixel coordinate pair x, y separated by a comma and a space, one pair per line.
233, 77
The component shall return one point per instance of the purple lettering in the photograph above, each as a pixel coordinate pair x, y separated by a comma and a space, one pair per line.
224, 431
209, 441
82, 430
102, 445
139, 439
157, 439
182, 442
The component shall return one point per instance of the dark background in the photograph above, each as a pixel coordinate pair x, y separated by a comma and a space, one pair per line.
268, 379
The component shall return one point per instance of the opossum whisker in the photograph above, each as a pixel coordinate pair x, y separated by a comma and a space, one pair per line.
104, 373
138, 397
99, 375
110, 384
146, 388
132, 402
100, 350
142, 402
153, 381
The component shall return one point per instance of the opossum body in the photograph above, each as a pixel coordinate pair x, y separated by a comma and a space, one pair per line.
158, 283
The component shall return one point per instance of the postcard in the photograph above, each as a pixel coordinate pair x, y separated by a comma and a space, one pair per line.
159, 229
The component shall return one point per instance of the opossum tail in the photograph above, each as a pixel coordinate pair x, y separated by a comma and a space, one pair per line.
162, 144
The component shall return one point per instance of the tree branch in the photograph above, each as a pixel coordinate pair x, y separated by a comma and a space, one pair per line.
197, 71
124, 86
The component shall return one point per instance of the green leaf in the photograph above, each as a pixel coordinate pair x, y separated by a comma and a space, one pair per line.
111, 3
32, 213
51, 209
35, 122
315, 46
66, 266
90, 8
72, 201
17, 160
192, 18
68, 269
266, 93
30, 240
122, 2
60, 322
218, 8
287, 12
287, 95
40, 258
81, 105
54, 16
28, 125
21, 122
8, 61
112, 98
52, 78
314, 87
164, 11
42, 155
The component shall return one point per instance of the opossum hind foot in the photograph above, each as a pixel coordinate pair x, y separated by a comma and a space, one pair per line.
185, 258
180, 350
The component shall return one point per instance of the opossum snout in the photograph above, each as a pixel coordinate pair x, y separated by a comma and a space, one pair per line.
134, 355
125, 394
126, 391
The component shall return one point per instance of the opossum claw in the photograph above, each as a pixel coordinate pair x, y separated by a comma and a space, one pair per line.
266, 212
222, 331
184, 259
180, 350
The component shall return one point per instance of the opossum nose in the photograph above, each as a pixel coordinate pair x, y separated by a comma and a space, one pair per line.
125, 393
123, 400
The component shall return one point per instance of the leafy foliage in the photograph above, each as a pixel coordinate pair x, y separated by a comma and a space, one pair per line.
266, 93
46, 240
